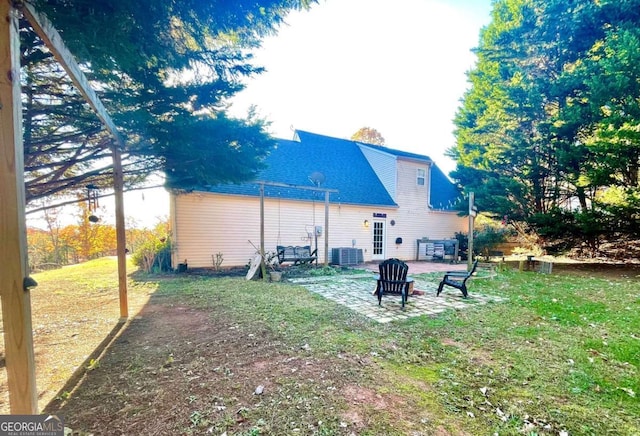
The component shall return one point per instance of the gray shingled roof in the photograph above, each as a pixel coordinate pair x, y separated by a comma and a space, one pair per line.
344, 168
444, 194
340, 161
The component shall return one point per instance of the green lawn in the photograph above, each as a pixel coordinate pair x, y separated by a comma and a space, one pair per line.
561, 354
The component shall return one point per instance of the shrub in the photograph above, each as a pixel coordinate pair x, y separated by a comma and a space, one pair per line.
154, 255
485, 239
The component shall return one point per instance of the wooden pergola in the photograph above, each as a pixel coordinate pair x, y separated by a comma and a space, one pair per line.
326, 191
15, 282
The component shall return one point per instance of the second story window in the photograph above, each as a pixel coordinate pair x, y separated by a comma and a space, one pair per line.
421, 176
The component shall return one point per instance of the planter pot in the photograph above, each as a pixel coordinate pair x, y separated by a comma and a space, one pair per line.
276, 276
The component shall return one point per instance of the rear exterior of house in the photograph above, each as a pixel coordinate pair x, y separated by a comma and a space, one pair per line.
380, 202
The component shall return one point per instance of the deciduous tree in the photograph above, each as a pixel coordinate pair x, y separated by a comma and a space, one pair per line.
368, 135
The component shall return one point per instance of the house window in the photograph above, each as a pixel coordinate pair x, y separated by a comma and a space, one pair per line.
421, 176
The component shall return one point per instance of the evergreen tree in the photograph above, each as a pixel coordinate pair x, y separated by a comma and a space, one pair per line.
551, 119
165, 71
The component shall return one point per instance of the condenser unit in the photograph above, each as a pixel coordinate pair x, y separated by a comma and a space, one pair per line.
346, 256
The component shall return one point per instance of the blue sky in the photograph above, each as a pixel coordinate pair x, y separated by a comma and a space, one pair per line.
397, 66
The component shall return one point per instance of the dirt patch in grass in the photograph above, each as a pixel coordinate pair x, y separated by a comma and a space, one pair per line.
360, 398
176, 369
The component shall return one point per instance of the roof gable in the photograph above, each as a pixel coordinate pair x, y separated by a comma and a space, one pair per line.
444, 194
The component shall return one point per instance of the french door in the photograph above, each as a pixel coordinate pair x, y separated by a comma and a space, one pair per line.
378, 241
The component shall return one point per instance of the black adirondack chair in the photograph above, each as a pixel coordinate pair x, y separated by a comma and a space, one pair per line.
393, 280
457, 279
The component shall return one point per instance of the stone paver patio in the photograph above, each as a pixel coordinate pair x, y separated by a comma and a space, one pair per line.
356, 293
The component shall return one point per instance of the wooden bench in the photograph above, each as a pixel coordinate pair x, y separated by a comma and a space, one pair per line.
457, 279
299, 255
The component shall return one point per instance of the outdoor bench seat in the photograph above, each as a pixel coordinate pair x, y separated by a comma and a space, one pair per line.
299, 255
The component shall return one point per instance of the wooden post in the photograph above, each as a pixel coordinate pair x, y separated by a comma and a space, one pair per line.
326, 228
121, 236
263, 266
14, 265
472, 215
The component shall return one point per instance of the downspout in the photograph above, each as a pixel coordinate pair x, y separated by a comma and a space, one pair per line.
428, 181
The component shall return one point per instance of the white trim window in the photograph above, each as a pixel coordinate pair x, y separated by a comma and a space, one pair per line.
421, 177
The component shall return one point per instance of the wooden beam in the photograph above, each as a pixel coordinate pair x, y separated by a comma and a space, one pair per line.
287, 185
263, 267
471, 228
52, 39
16, 299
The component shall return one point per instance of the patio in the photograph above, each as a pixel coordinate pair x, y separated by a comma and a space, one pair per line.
356, 292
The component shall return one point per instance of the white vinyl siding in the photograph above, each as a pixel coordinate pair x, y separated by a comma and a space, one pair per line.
384, 165
206, 224
415, 220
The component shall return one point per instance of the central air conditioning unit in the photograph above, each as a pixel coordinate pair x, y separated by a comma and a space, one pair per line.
346, 256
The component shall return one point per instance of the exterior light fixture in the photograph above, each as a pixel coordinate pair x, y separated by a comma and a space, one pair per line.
366, 224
